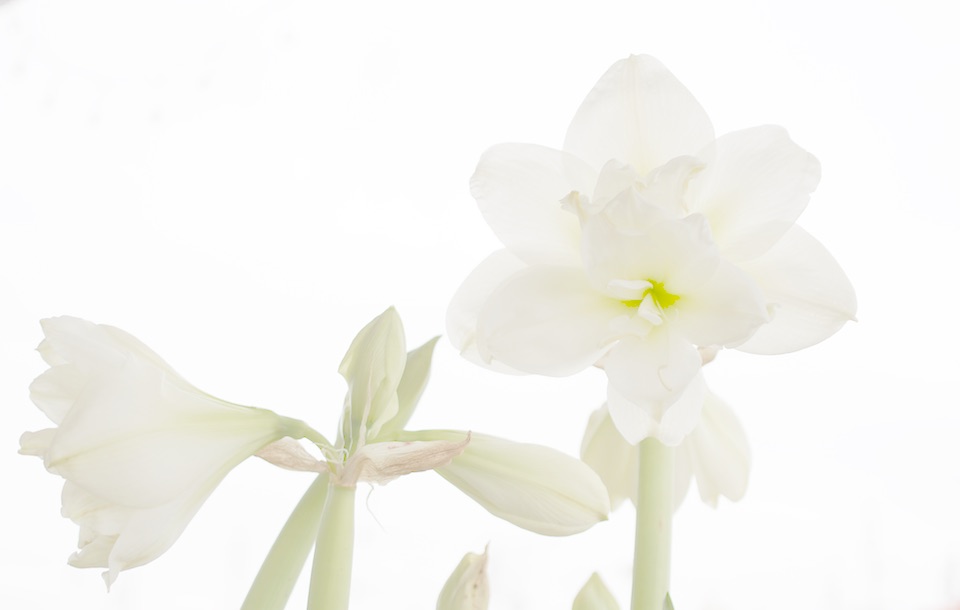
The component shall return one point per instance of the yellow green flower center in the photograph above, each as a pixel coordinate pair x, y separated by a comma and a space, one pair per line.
661, 297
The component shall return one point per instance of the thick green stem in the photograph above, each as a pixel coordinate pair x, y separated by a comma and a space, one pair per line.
333, 556
274, 582
651, 556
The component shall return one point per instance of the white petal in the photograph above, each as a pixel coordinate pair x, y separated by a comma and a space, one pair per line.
534, 487
372, 367
636, 423
139, 439
547, 320
638, 113
677, 253
719, 454
471, 297
595, 596
725, 310
148, 533
754, 185
118, 537
467, 588
647, 379
519, 187
615, 460
55, 390
810, 295
37, 443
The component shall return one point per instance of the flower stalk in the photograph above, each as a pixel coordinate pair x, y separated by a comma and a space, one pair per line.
333, 556
651, 558
275, 581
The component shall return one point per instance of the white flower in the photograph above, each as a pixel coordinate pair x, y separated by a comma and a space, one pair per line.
643, 239
715, 454
139, 447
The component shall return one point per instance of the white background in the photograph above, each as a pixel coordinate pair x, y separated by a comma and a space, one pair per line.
244, 184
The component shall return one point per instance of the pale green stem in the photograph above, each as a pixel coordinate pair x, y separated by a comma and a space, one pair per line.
295, 428
651, 555
333, 556
282, 566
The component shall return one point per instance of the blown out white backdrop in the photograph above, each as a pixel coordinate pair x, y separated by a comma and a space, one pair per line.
243, 185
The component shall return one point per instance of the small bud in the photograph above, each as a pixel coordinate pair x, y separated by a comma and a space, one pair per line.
468, 587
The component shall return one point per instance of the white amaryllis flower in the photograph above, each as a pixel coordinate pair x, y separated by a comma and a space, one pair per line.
139, 447
715, 454
645, 238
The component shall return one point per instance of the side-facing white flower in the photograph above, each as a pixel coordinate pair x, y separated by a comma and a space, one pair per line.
139, 447
643, 239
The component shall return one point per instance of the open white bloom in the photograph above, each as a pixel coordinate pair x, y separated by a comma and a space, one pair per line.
139, 447
645, 238
715, 454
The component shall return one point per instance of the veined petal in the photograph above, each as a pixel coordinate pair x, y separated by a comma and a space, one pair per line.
677, 253
54, 390
372, 366
471, 297
140, 438
595, 596
468, 587
547, 320
676, 423
638, 113
718, 453
519, 187
655, 388
118, 537
725, 310
809, 294
534, 487
754, 185
616, 461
